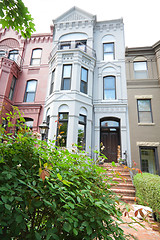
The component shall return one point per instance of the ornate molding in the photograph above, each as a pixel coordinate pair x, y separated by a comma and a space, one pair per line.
148, 144
109, 109
67, 57
143, 96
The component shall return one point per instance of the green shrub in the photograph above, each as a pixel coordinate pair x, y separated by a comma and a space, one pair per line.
52, 193
148, 191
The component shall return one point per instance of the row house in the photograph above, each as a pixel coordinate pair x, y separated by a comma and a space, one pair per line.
143, 86
89, 89
24, 74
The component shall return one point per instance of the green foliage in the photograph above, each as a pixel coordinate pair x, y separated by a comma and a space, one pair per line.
14, 14
52, 193
148, 191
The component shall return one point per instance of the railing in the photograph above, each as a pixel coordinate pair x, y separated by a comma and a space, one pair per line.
66, 46
15, 56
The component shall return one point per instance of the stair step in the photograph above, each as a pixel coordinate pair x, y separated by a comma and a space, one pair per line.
123, 185
124, 192
128, 199
125, 180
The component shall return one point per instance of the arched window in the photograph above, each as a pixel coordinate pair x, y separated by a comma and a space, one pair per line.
36, 56
108, 47
13, 55
30, 91
29, 122
109, 88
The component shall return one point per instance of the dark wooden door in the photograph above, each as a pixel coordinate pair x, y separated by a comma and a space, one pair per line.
110, 141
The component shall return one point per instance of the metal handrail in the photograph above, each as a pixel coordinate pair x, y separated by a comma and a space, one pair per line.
70, 45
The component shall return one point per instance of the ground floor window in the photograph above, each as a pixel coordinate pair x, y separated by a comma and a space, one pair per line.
62, 127
82, 132
148, 157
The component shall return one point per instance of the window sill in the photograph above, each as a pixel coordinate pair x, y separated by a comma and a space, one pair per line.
34, 67
146, 124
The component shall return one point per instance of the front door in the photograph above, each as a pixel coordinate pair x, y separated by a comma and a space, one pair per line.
110, 138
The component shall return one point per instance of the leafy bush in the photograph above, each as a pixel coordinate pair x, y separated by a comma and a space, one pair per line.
52, 193
148, 191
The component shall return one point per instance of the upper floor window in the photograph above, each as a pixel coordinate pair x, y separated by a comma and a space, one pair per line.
36, 56
65, 45
84, 80
140, 70
52, 81
108, 51
109, 88
13, 55
81, 45
2, 53
144, 111
30, 91
12, 88
66, 77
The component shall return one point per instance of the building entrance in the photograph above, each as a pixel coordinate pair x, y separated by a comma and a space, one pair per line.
110, 138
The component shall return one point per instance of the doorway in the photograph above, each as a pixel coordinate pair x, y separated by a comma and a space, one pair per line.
110, 137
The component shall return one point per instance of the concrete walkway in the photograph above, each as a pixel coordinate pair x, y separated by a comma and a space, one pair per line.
141, 233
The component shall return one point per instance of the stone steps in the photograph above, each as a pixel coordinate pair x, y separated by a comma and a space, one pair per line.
123, 187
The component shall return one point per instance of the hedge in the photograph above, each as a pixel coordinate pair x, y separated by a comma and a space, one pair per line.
148, 191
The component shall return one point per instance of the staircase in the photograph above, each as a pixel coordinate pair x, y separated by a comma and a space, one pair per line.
124, 186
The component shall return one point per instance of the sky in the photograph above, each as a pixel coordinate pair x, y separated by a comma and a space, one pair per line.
141, 17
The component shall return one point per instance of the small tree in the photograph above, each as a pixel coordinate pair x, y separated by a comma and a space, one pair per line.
52, 193
14, 14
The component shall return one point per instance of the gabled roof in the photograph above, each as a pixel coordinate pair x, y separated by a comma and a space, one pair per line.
74, 14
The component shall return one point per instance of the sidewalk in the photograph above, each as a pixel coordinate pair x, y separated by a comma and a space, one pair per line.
146, 233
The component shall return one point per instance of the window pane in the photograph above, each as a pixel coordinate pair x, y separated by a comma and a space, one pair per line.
145, 117
82, 118
67, 71
2, 53
65, 46
108, 47
109, 94
30, 97
66, 84
138, 66
83, 87
31, 86
36, 61
84, 74
144, 105
81, 135
108, 56
36, 53
148, 160
109, 82
109, 124
63, 116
